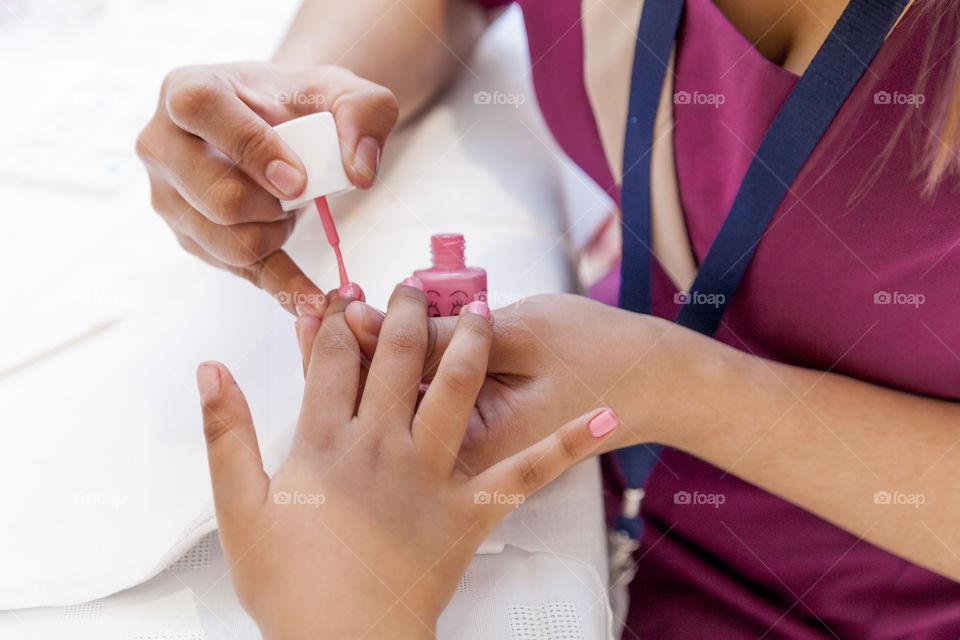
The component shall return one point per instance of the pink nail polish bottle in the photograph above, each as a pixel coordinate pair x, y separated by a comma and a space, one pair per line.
450, 284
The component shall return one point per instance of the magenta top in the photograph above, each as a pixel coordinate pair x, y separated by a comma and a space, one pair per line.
835, 284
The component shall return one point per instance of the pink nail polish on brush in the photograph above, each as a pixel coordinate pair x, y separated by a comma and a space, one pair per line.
315, 140
347, 289
450, 284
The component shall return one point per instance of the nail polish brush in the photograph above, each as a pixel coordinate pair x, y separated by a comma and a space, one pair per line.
315, 140
347, 289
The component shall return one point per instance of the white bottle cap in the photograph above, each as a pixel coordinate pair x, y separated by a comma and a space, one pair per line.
315, 141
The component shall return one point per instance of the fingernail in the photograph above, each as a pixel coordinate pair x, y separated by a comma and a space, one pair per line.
208, 381
478, 307
351, 290
603, 423
311, 307
286, 179
366, 159
413, 281
371, 321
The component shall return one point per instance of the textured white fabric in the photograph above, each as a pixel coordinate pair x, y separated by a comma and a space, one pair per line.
103, 464
513, 595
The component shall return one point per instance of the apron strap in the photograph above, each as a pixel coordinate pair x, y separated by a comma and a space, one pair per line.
798, 126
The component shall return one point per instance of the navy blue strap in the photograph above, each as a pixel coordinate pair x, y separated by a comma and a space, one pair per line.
808, 111
655, 37
798, 126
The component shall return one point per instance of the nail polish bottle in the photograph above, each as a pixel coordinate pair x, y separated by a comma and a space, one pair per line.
450, 284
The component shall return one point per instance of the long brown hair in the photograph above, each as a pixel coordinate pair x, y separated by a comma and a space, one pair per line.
941, 151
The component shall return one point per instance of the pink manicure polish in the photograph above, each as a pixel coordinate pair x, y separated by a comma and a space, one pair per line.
413, 281
603, 423
351, 290
478, 307
450, 284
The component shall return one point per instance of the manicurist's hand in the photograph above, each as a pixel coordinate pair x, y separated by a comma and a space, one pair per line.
367, 527
556, 356
217, 168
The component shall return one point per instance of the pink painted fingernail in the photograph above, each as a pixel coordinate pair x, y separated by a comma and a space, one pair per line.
288, 180
603, 423
478, 307
413, 281
208, 381
351, 290
366, 160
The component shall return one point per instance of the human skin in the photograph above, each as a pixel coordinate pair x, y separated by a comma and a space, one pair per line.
366, 528
787, 429
216, 166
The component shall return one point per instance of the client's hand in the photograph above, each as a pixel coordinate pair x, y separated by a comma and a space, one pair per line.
367, 527
552, 358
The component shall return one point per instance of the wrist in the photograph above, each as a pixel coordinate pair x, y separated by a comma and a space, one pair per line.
673, 385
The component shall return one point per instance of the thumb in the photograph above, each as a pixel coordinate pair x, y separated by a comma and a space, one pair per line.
236, 469
365, 114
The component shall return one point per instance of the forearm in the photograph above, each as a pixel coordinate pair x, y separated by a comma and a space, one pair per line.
413, 47
823, 441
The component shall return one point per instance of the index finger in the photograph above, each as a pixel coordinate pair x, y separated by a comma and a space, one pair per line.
205, 105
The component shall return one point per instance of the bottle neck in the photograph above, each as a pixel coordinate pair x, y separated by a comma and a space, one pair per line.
447, 250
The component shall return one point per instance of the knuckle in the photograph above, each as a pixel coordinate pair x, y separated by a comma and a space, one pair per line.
531, 473
249, 245
384, 102
461, 378
214, 429
250, 142
408, 296
570, 445
157, 202
476, 325
405, 340
333, 343
227, 199
192, 97
144, 146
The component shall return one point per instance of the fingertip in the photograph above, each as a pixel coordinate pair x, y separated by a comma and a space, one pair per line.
352, 291
603, 423
306, 325
363, 318
353, 314
209, 381
478, 307
366, 160
287, 179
